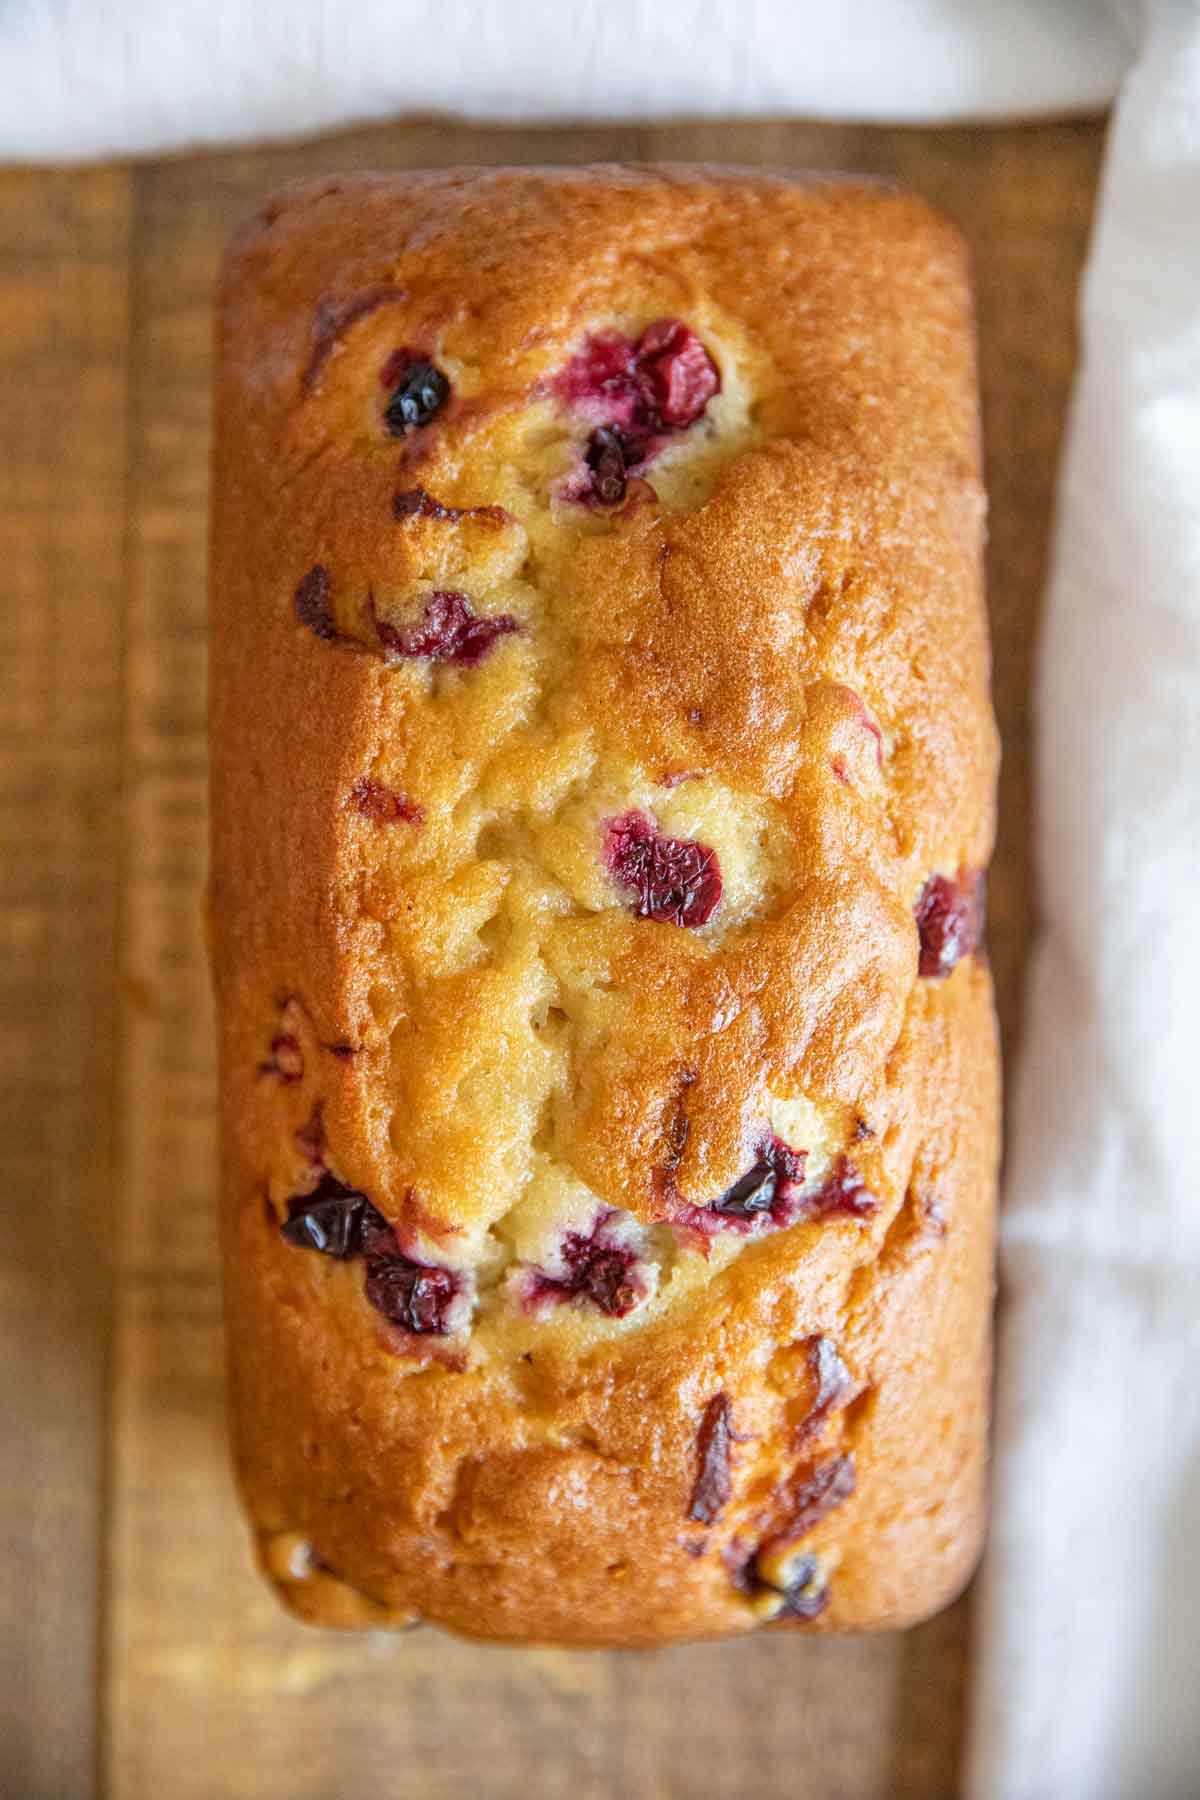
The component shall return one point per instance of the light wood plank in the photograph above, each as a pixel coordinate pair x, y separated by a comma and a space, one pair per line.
63, 343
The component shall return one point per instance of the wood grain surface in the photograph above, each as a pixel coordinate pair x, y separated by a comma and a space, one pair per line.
139, 1656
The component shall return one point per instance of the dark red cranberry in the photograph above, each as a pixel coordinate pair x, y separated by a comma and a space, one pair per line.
607, 457
713, 1485
383, 806
286, 1060
420, 392
597, 1269
332, 1219
949, 917
676, 880
449, 632
412, 1295
313, 604
681, 374
340, 1221
770, 1186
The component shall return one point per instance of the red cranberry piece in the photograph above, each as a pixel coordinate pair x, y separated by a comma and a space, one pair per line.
419, 393
681, 374
597, 1269
713, 1485
412, 1295
449, 632
769, 1186
660, 384
333, 1219
949, 917
286, 1059
676, 880
383, 806
313, 604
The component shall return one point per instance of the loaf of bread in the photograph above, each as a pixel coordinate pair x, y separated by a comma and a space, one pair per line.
602, 780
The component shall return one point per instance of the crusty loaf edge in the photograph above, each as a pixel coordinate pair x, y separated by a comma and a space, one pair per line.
471, 1530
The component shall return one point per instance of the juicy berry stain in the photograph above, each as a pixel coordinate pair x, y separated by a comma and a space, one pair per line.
597, 1268
949, 917
286, 1058
675, 880
450, 631
419, 391
843, 1191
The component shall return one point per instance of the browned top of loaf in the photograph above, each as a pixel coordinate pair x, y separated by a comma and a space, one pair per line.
799, 582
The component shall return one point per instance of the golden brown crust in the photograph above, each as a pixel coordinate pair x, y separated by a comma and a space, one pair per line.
485, 1036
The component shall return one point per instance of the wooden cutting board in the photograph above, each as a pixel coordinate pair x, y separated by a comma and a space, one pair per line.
138, 1654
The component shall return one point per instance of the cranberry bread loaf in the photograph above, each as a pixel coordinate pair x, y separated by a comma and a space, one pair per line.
603, 774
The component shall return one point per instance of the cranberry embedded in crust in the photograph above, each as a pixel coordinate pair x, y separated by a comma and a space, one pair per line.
449, 632
638, 394
286, 1058
419, 391
843, 1191
714, 1484
770, 1195
384, 806
313, 604
823, 1489
831, 1380
661, 383
949, 917
414, 1296
341, 1222
597, 1269
332, 1219
676, 880
771, 1186
607, 456
679, 371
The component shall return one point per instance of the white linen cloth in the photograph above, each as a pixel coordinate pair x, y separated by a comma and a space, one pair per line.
1087, 1677
112, 77
1087, 1685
